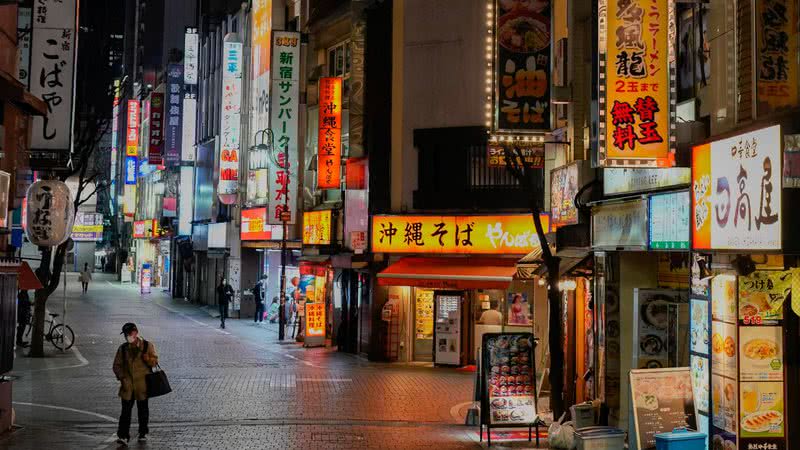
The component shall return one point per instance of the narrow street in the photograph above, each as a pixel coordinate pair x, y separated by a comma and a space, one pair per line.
233, 388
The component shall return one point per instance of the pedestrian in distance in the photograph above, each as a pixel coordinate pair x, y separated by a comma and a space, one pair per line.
85, 277
258, 298
224, 298
23, 316
134, 360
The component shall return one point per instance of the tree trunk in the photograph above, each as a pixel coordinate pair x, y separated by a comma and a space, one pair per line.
556, 340
37, 333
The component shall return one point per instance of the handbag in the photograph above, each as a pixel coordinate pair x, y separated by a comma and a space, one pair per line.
157, 383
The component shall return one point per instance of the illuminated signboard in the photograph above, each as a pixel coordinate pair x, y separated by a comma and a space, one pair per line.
522, 66
329, 155
776, 55
145, 229
532, 153
228, 184
315, 319
668, 221
173, 111
636, 57
736, 192
317, 227
186, 204
131, 166
284, 107
254, 225
132, 129
487, 235
87, 227
155, 154
564, 185
190, 55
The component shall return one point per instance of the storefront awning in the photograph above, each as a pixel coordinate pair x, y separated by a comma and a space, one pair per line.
26, 278
569, 264
449, 273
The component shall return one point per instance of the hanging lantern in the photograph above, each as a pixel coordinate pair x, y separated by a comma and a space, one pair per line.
50, 213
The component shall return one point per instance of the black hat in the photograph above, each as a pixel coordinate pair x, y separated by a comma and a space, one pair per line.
128, 328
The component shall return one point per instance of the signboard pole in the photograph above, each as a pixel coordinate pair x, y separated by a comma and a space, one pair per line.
284, 224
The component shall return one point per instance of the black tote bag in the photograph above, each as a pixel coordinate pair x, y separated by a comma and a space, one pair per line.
157, 383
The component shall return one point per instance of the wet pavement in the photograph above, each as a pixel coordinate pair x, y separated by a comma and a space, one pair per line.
235, 388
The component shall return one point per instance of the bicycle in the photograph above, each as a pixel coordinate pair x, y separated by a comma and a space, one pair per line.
60, 335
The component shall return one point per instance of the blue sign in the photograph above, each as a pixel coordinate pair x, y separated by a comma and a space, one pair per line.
130, 169
174, 112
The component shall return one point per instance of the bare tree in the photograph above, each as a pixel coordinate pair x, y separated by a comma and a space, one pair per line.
94, 96
527, 177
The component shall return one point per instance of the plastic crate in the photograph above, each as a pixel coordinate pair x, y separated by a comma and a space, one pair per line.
599, 438
681, 439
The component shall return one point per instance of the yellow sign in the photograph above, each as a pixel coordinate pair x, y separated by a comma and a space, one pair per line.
634, 39
479, 235
315, 319
317, 227
424, 317
761, 296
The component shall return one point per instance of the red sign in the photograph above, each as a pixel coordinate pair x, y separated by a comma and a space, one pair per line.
254, 225
156, 143
329, 158
356, 173
315, 319
143, 229
132, 132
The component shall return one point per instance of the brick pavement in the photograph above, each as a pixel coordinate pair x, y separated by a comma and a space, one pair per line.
236, 388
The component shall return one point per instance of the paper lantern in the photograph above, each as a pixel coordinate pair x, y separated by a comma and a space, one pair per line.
50, 213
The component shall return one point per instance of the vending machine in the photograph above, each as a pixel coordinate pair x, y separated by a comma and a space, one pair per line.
447, 328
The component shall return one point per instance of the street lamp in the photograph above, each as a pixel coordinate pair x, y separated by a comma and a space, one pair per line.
265, 154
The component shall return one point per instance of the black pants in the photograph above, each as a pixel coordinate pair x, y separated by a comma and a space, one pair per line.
259, 317
142, 410
85, 286
223, 313
21, 331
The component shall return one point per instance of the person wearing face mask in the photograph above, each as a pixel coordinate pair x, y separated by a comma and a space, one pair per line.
134, 360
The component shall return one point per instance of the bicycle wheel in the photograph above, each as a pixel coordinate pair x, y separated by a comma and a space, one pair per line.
62, 337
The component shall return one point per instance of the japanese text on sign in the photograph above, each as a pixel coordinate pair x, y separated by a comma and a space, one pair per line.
317, 227
523, 35
330, 133
52, 60
637, 97
284, 110
777, 65
736, 192
230, 127
532, 154
172, 129
315, 319
508, 234
155, 144
132, 129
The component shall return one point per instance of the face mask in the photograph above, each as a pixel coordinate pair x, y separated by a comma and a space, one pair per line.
130, 339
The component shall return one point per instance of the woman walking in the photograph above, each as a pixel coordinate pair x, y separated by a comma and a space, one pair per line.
85, 277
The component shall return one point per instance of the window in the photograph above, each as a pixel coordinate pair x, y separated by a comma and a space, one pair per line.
339, 60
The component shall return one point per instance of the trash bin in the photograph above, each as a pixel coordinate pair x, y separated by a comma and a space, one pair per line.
681, 439
599, 438
582, 415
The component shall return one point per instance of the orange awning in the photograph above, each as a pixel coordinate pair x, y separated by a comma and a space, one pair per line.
449, 273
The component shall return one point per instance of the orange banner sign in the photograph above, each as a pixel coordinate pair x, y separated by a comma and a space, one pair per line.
476, 235
315, 319
634, 38
317, 227
329, 158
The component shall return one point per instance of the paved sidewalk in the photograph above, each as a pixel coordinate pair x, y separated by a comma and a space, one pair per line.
234, 388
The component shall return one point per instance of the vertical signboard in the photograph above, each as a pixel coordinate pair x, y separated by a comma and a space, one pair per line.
228, 184
189, 126
156, 125
284, 111
736, 192
52, 72
522, 66
173, 112
776, 55
24, 44
132, 129
190, 56
329, 156
636, 67
261, 32
114, 135
185, 206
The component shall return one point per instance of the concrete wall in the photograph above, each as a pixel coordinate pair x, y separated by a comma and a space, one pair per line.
637, 270
439, 75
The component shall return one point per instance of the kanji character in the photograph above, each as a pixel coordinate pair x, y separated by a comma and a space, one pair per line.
649, 133
624, 135
622, 113
647, 108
